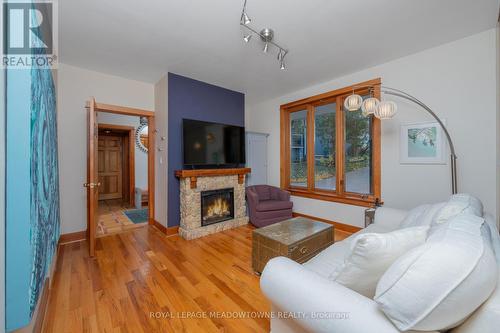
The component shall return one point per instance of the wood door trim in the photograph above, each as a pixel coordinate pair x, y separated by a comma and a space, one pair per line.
124, 110
131, 166
130, 133
151, 168
101, 107
115, 127
91, 166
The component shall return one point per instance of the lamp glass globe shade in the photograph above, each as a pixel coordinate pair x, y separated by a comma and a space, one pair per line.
353, 102
386, 110
369, 106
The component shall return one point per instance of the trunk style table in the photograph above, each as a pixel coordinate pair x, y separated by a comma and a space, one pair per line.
298, 238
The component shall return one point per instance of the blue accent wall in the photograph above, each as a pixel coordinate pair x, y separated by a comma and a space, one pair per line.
18, 250
192, 99
32, 209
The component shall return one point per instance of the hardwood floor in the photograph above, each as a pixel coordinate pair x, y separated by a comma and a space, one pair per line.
142, 281
112, 218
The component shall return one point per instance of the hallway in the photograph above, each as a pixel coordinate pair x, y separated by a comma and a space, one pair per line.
112, 218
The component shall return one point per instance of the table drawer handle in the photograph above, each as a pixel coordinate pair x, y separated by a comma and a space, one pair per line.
303, 250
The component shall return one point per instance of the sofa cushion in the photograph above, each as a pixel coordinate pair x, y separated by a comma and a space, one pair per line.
460, 203
438, 284
325, 262
370, 256
486, 319
270, 205
421, 215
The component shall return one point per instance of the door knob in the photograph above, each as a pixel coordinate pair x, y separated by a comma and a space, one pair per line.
91, 185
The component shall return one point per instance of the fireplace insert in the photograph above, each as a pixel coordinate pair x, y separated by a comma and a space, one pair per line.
217, 206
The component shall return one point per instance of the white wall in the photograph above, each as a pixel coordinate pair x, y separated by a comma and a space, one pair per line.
141, 158
458, 81
498, 120
161, 122
75, 87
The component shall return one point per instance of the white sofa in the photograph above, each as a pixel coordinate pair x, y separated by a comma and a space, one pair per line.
298, 291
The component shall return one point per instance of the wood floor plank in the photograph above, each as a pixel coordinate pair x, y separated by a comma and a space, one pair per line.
142, 281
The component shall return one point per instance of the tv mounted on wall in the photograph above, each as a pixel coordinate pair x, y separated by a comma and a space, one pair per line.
212, 145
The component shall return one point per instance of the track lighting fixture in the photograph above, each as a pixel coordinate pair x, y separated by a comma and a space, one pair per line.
266, 36
266, 47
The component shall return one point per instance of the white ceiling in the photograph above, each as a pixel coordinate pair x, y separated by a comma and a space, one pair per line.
202, 39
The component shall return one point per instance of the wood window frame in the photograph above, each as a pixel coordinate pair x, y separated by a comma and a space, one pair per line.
339, 194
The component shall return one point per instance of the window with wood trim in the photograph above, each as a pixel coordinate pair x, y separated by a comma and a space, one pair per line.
330, 153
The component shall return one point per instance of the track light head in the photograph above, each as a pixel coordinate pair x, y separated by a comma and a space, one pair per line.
280, 55
247, 38
266, 47
245, 19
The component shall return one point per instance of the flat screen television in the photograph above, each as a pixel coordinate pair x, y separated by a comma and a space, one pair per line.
212, 145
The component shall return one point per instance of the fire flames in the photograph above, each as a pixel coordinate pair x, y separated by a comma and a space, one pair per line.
219, 207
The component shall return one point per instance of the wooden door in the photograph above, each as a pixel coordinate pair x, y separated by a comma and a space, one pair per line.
110, 167
92, 184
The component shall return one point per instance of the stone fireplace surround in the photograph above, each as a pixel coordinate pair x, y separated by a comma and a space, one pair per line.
193, 182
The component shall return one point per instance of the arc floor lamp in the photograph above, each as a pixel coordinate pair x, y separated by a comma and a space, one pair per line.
387, 109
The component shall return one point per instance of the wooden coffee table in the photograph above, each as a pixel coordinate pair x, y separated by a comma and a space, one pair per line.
298, 238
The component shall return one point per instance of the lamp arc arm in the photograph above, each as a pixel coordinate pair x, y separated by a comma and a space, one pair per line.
402, 94
453, 157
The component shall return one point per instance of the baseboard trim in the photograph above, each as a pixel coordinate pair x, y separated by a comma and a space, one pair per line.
160, 226
338, 226
44, 302
72, 237
172, 231
169, 231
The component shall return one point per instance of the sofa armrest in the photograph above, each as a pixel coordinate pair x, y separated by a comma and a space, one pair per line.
389, 217
294, 289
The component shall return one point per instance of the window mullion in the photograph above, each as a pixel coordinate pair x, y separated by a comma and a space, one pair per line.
286, 133
376, 151
339, 146
310, 147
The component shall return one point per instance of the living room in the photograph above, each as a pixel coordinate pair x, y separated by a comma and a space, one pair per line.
304, 167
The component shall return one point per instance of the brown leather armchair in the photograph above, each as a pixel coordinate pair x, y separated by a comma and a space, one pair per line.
268, 204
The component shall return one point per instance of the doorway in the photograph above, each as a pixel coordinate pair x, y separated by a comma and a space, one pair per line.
111, 185
116, 174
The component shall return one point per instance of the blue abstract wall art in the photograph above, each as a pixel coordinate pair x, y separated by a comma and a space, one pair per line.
44, 227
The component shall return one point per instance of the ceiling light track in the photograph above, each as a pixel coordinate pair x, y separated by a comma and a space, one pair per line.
266, 36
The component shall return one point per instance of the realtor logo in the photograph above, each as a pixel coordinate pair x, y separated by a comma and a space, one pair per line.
28, 36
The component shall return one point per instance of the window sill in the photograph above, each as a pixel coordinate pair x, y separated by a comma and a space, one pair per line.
356, 200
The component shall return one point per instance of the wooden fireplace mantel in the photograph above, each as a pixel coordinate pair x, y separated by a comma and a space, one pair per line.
194, 174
